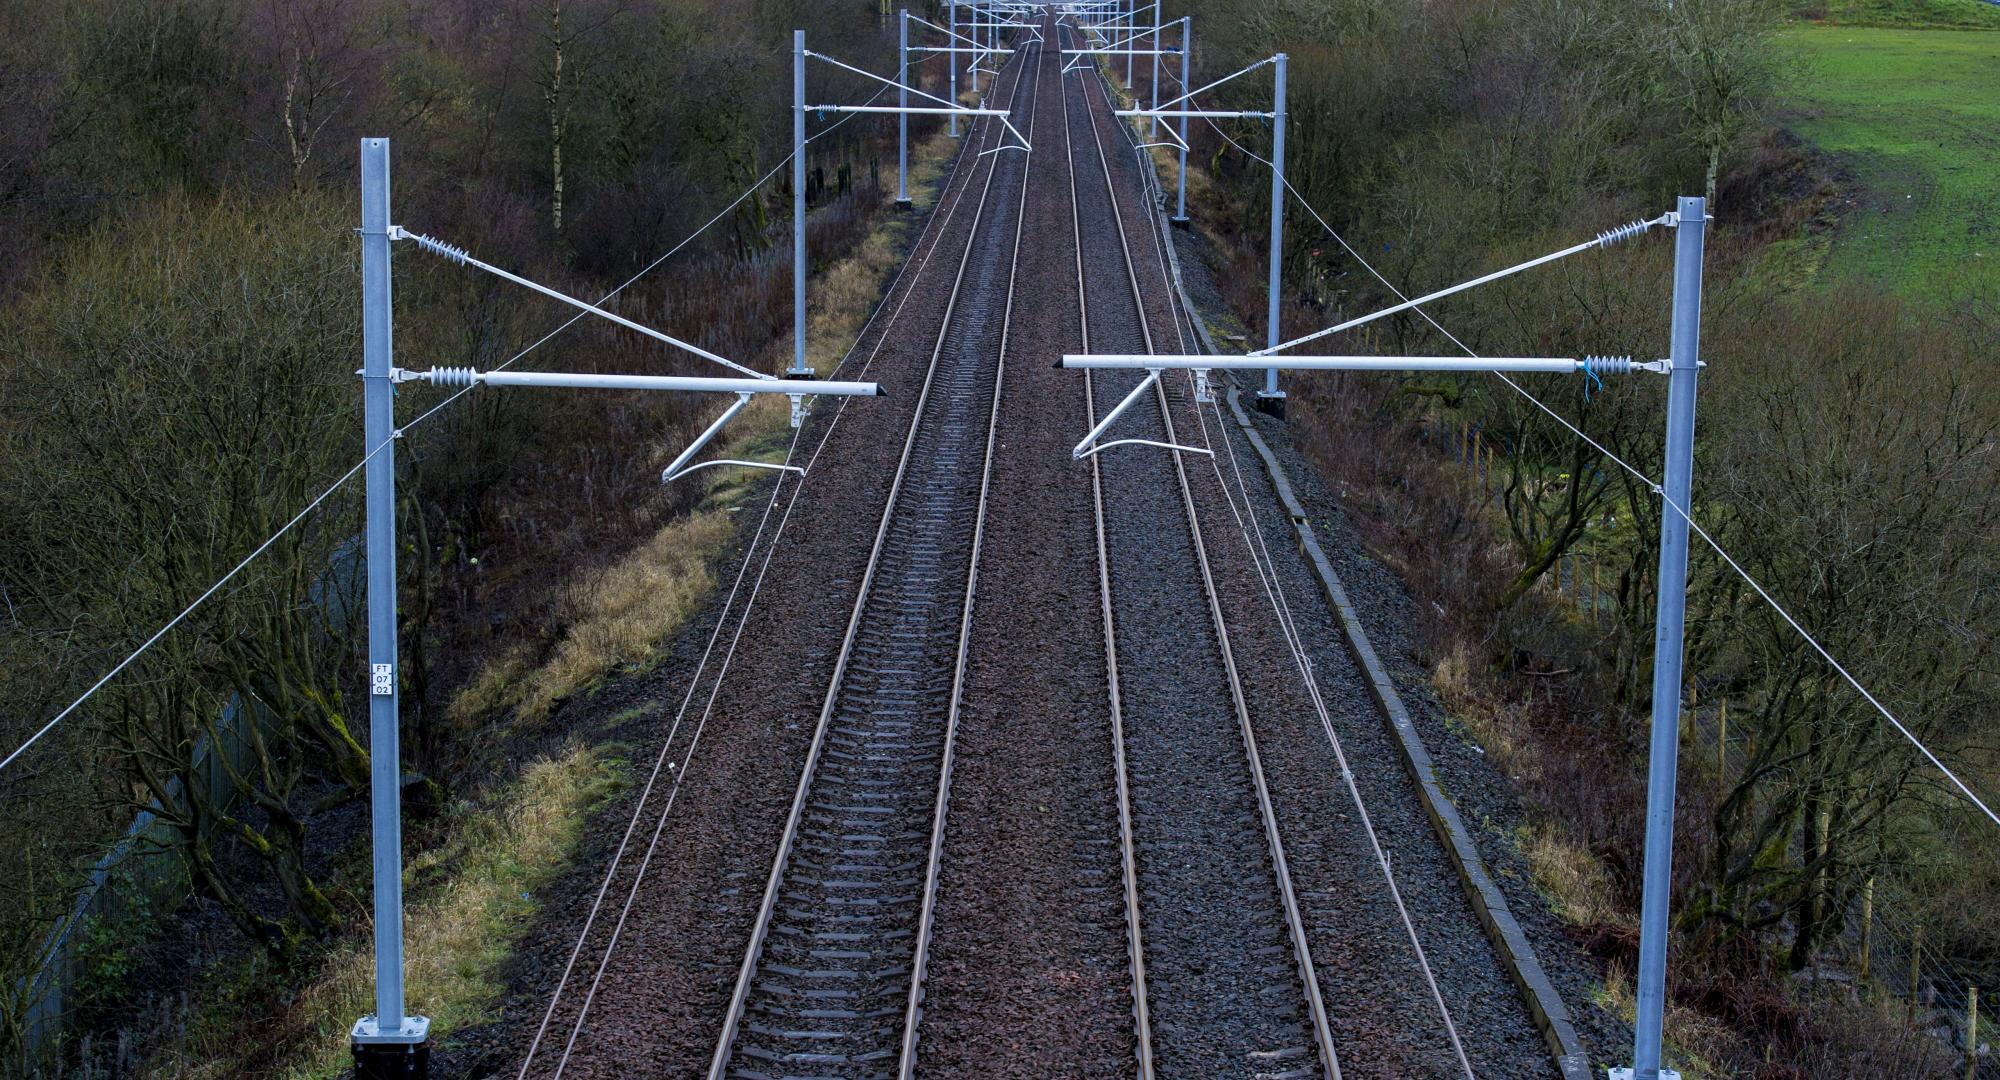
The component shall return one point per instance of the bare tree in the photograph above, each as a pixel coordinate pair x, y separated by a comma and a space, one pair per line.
179, 377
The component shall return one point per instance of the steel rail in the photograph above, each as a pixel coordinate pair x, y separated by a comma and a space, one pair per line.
926, 922
1294, 920
1135, 945
760, 932
951, 195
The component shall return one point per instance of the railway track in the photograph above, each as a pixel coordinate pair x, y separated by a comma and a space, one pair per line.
1192, 810
1118, 843
831, 984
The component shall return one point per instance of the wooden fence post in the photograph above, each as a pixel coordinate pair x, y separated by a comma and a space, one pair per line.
1867, 928
1972, 1033
1722, 757
1916, 956
1596, 593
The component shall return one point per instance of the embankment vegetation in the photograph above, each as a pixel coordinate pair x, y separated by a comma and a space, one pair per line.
1846, 459
179, 326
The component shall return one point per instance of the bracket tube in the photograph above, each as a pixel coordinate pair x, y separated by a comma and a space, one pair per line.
1199, 362
673, 469
584, 380
1223, 114
920, 109
1145, 384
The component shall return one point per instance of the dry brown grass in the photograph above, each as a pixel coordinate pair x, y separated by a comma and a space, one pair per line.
1694, 1040
616, 618
623, 612
472, 894
458, 928
1574, 881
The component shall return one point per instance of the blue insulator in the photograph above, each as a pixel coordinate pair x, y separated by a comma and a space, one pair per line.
1608, 365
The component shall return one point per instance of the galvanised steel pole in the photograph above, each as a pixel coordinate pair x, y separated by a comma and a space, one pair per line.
952, 44
1153, 129
1272, 330
1187, 48
799, 204
1685, 352
1131, 27
389, 1040
973, 72
903, 100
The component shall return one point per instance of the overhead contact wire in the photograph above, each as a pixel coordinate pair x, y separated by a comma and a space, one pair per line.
1267, 575
686, 764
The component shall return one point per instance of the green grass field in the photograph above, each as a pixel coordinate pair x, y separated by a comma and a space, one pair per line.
1914, 116
1912, 14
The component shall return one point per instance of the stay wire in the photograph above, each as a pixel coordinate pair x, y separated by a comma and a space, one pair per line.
1656, 489
189, 610
358, 466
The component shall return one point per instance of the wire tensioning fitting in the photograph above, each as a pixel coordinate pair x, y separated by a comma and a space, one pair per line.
453, 252
1624, 232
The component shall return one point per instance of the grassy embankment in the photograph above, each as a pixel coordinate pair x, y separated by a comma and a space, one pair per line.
1913, 116
475, 893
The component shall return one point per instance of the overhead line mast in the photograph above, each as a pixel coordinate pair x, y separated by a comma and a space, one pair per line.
390, 1042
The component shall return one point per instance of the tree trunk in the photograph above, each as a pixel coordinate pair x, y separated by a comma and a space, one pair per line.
553, 95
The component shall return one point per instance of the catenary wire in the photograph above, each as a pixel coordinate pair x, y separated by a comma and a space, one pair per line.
715, 688
1294, 916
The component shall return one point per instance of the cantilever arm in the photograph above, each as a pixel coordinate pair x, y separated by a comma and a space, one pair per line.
951, 106
680, 467
463, 258
1080, 452
1100, 447
668, 479
1603, 239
